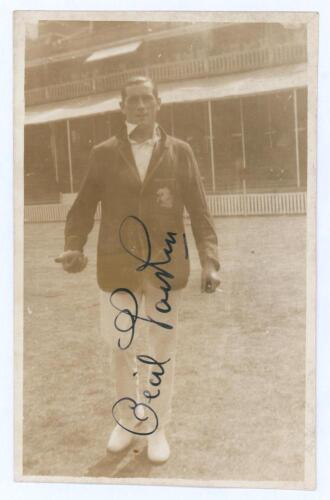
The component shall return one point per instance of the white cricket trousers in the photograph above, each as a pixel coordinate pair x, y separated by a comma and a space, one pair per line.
133, 366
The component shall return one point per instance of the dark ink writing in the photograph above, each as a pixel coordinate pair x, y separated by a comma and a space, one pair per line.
156, 375
133, 316
162, 275
151, 417
128, 316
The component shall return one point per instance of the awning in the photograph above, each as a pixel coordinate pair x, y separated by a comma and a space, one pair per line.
118, 50
238, 84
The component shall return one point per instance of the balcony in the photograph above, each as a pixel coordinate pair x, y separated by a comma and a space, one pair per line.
232, 62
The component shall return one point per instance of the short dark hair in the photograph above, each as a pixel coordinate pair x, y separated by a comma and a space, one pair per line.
136, 80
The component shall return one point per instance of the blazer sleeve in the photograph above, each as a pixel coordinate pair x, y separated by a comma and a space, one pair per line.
80, 218
195, 202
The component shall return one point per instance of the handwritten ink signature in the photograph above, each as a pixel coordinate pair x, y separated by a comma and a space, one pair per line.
162, 305
155, 381
132, 312
133, 316
162, 275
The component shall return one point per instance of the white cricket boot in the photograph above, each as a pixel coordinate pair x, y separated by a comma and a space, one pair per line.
119, 439
158, 447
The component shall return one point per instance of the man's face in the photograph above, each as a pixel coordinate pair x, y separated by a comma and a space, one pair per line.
140, 105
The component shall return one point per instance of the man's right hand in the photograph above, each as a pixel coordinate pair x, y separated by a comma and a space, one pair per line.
73, 261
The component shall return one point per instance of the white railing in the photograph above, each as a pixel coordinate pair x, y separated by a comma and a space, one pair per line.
231, 62
257, 204
219, 205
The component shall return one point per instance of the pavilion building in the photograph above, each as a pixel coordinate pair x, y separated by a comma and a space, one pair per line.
237, 92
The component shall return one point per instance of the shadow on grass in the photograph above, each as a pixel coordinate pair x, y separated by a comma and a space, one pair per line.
128, 463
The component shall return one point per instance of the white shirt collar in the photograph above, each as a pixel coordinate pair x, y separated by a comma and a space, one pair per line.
132, 126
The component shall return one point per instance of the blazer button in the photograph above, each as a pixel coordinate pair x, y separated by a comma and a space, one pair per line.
133, 248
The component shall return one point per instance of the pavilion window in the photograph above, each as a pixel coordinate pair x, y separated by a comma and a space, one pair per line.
191, 123
102, 127
301, 97
62, 156
82, 141
40, 183
165, 118
117, 121
270, 142
227, 145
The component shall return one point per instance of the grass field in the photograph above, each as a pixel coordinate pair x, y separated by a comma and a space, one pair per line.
238, 410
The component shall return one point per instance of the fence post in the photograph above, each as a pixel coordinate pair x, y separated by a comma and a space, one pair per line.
69, 153
296, 135
243, 153
209, 107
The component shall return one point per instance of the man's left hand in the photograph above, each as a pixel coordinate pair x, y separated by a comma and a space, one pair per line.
210, 279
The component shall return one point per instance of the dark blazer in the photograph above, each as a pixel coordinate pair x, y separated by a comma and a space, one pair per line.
133, 212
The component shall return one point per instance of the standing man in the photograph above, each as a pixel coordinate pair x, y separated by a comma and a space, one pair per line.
143, 179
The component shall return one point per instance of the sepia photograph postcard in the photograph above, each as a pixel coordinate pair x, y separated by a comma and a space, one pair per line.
165, 205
